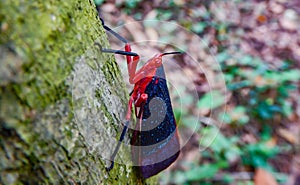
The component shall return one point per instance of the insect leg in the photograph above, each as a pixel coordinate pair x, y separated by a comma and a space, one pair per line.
128, 115
104, 50
113, 32
131, 63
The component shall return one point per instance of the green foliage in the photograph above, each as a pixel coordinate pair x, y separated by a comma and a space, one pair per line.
222, 148
197, 173
199, 27
164, 14
98, 2
257, 154
211, 100
131, 4
236, 116
253, 75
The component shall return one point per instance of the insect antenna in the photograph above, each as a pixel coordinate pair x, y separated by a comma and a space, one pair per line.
104, 50
113, 32
173, 53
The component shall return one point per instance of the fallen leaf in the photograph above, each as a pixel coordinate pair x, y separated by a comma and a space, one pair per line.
263, 177
287, 135
271, 142
261, 19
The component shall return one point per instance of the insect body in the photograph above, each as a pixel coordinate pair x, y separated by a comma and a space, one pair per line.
155, 138
155, 141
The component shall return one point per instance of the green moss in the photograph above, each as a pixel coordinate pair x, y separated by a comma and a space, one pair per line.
48, 39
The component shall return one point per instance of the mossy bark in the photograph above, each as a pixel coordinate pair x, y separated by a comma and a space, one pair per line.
61, 100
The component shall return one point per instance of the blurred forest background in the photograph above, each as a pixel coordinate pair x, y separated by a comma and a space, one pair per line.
257, 46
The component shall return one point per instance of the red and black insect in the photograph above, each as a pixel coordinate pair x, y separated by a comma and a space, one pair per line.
155, 140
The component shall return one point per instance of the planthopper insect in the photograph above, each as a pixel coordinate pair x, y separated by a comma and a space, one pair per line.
155, 141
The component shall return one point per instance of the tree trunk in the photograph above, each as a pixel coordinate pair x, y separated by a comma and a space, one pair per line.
62, 101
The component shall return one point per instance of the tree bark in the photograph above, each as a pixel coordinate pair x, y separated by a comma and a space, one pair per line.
62, 101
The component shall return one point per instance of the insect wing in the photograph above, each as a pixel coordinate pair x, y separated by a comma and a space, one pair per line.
155, 142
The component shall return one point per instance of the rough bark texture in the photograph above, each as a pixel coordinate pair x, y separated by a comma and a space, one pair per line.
61, 100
